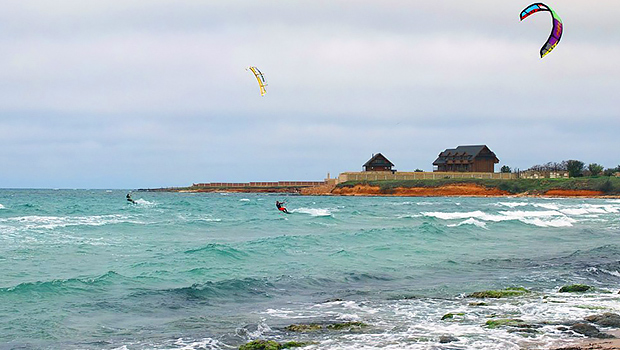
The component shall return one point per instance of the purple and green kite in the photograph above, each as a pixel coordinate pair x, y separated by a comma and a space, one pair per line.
556, 32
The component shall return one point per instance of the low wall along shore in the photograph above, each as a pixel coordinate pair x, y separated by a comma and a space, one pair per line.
402, 176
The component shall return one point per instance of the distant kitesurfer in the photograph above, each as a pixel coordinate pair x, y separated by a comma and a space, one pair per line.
129, 199
280, 206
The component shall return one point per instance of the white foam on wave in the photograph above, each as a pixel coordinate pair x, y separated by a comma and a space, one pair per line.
512, 204
549, 218
207, 343
312, 211
144, 202
52, 222
1, 206
470, 221
244, 200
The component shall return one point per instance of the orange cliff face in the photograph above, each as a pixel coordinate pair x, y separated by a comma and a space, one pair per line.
447, 190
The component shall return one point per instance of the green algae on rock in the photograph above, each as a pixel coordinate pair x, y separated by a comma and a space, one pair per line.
304, 327
506, 322
451, 315
575, 288
346, 325
273, 345
504, 293
261, 345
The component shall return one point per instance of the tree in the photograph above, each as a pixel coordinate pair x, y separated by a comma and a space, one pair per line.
595, 169
506, 169
575, 168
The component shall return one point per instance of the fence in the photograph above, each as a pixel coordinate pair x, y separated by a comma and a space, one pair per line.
262, 184
379, 175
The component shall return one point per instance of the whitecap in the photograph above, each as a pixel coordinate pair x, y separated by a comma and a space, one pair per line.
312, 211
512, 204
551, 206
141, 201
470, 221
244, 200
2, 206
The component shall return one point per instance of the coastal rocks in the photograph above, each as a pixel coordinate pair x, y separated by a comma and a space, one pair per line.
273, 345
313, 327
303, 328
589, 331
507, 322
575, 288
504, 293
607, 319
450, 316
447, 339
261, 345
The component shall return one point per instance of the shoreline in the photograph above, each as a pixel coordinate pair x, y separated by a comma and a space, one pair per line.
368, 190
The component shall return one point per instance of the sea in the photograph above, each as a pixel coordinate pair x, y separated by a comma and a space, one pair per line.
85, 269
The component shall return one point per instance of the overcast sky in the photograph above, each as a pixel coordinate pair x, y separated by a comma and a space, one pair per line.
134, 94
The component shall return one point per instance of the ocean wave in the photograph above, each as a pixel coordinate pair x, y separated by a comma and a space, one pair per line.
63, 286
470, 221
2, 206
550, 218
222, 250
313, 211
52, 222
144, 202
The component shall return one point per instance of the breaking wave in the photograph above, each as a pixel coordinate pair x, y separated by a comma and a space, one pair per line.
313, 211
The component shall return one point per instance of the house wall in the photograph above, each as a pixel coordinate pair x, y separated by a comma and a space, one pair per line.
483, 165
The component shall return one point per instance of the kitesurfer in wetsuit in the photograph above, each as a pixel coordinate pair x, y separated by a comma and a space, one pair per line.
129, 199
280, 207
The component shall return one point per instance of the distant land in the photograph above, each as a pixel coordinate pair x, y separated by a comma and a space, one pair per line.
561, 187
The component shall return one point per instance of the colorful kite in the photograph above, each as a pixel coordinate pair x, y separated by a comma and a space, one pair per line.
556, 32
260, 78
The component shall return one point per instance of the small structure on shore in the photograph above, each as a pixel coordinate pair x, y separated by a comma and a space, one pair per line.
378, 162
478, 158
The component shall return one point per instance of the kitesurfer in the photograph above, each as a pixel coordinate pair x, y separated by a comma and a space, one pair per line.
280, 206
129, 199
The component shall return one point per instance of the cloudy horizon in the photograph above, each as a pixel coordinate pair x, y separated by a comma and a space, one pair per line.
154, 94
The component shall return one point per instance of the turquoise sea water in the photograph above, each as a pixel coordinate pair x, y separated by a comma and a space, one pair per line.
84, 269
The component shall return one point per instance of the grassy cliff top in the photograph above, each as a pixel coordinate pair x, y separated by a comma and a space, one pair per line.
606, 185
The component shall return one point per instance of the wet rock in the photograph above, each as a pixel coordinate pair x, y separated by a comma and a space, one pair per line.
478, 304
297, 344
575, 288
450, 316
347, 325
261, 345
607, 319
272, 345
447, 339
507, 322
589, 331
304, 327
508, 292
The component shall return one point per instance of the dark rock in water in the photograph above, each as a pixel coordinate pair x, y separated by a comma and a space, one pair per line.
589, 331
449, 316
575, 288
347, 325
297, 344
333, 300
273, 345
261, 345
304, 327
478, 304
508, 292
447, 339
562, 329
607, 319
